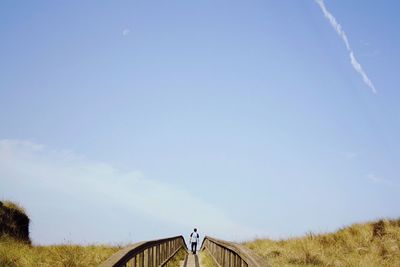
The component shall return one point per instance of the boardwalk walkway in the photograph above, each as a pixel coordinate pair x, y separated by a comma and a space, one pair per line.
161, 251
191, 261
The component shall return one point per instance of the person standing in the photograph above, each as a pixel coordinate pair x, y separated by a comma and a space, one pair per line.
194, 239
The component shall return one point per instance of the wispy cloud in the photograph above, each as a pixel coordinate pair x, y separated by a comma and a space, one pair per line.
350, 155
126, 32
33, 173
380, 180
339, 30
373, 178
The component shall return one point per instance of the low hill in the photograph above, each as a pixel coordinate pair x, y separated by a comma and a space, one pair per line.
16, 249
14, 222
370, 244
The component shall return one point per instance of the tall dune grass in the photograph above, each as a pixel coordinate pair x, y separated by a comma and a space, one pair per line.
14, 253
207, 260
14, 222
14, 206
370, 244
178, 258
16, 249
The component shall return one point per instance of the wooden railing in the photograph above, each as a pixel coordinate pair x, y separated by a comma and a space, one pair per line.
229, 254
147, 254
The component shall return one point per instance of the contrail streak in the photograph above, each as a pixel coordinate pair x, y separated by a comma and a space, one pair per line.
338, 28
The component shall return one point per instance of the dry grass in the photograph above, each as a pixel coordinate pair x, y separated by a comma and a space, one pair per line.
176, 260
14, 206
370, 244
14, 222
17, 251
19, 254
207, 260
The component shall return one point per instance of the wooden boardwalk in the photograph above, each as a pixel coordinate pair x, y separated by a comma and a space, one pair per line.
191, 261
160, 252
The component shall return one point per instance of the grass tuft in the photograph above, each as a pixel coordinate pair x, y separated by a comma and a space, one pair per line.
13, 206
178, 258
15, 253
369, 244
13, 221
207, 260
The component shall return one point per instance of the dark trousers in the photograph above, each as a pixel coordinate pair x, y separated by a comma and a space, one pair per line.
194, 247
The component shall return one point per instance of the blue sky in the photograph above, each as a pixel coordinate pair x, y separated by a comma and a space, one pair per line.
128, 120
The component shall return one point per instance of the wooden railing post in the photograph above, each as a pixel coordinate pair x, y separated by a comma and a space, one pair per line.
141, 259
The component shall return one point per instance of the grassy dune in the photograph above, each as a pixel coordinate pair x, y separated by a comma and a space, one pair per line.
13, 206
370, 244
16, 249
17, 253
14, 222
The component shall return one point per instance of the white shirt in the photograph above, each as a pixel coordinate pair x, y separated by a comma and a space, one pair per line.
194, 237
